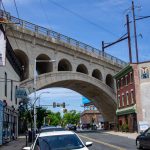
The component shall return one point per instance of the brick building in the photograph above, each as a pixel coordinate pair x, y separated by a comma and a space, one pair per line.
133, 85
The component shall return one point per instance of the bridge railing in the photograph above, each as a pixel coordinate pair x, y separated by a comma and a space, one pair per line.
59, 37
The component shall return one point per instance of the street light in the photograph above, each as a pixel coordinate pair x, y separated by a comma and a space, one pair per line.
35, 99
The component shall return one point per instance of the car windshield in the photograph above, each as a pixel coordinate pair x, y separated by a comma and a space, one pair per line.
60, 142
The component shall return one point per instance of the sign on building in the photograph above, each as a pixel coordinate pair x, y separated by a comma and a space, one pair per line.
1, 122
2, 49
22, 93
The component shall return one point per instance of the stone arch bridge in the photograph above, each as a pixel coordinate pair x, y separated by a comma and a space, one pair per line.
77, 66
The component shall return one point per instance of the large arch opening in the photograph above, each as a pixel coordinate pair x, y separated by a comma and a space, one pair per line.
110, 81
44, 66
23, 58
99, 93
97, 74
64, 65
82, 68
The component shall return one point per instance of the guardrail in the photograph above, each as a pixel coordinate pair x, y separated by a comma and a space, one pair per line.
60, 37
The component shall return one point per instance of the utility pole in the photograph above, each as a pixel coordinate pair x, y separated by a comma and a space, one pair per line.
135, 35
129, 39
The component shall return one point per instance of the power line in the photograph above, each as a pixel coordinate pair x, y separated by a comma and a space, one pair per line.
16, 9
83, 18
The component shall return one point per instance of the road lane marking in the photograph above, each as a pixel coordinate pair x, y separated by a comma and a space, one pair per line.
104, 143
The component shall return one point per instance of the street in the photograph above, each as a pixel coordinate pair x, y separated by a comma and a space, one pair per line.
105, 141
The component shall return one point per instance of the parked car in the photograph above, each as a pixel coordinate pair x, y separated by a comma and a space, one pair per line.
86, 126
62, 140
72, 127
143, 140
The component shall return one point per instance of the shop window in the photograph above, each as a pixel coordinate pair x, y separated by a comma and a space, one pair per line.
144, 73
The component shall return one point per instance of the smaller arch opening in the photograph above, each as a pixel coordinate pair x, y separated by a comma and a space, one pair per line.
81, 68
24, 60
64, 65
43, 67
97, 74
110, 81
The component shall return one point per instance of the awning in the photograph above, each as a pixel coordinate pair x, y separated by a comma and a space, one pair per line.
128, 110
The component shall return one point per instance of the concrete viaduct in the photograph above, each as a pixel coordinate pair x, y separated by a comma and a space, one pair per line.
77, 66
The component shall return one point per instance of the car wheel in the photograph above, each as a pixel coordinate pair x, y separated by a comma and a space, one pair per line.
138, 145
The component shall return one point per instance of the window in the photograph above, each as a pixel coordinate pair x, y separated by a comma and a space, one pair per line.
118, 84
5, 84
118, 100
127, 80
11, 92
122, 99
15, 97
121, 82
127, 98
131, 77
132, 96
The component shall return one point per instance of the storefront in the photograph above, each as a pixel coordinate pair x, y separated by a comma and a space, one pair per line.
9, 130
127, 119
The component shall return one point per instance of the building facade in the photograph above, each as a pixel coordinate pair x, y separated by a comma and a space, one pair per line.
133, 96
10, 75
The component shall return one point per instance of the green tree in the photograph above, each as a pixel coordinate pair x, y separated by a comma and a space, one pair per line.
71, 117
53, 118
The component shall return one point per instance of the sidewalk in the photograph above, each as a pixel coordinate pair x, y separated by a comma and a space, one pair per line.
15, 145
125, 134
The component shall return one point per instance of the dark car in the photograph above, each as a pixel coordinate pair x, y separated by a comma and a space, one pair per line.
86, 126
143, 140
72, 127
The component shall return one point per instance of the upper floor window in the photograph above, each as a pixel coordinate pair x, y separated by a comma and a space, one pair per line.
144, 72
131, 77
126, 78
122, 99
127, 98
15, 97
118, 100
132, 96
122, 82
5, 84
118, 84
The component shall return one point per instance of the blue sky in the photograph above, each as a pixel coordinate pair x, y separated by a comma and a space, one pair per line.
89, 21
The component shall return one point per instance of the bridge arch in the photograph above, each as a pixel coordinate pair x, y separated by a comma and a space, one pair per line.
97, 74
103, 97
82, 69
64, 65
43, 67
24, 60
110, 80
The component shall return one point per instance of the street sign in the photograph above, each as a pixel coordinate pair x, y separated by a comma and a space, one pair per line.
22, 93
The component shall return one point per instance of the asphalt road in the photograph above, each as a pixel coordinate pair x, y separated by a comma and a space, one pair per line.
106, 141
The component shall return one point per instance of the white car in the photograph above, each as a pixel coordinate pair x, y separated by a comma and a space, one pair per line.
58, 140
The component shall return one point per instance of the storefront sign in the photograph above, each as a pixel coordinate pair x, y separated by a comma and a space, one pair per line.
22, 93
2, 49
1, 122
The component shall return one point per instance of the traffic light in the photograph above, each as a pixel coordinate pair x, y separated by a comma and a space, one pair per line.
63, 104
64, 110
54, 104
